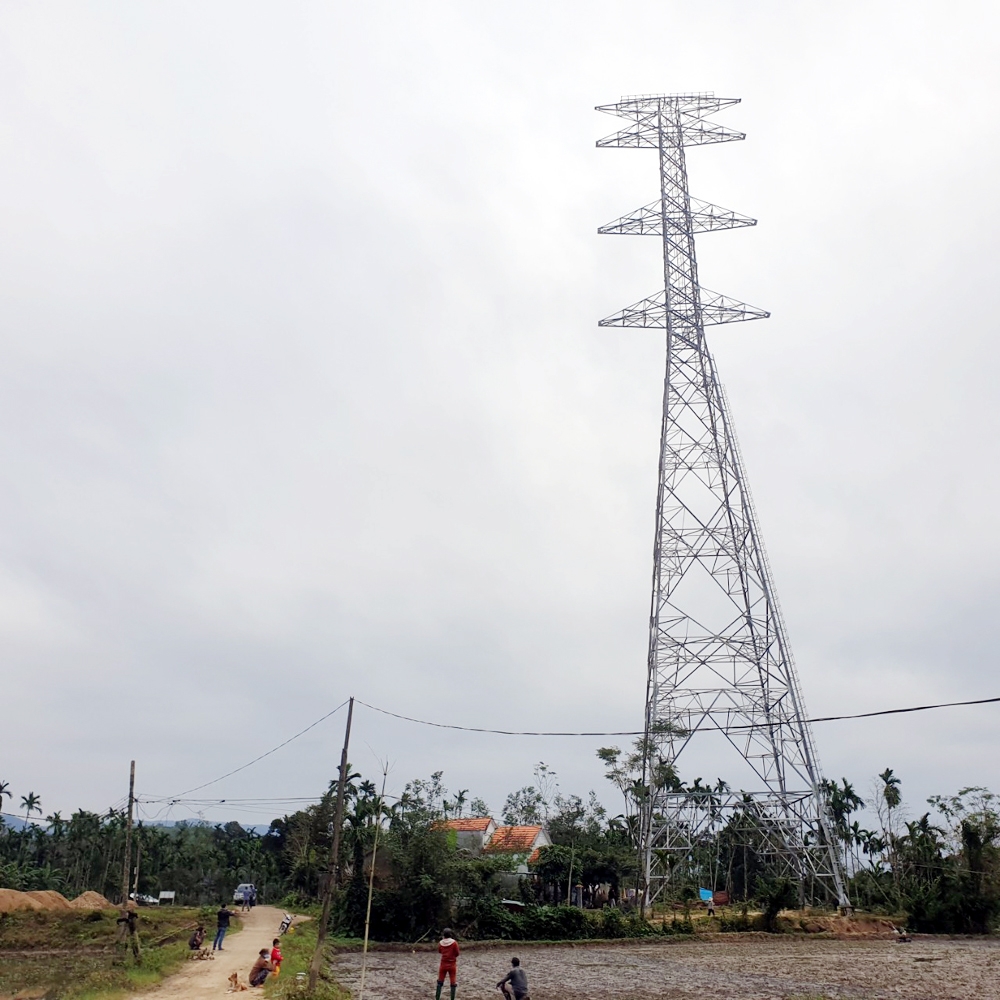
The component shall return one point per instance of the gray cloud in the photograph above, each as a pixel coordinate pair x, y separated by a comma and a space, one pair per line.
302, 392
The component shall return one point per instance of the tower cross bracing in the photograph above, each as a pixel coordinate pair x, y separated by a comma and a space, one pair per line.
719, 659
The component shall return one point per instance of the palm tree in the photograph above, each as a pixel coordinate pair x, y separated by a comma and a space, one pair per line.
30, 803
892, 797
4, 790
890, 788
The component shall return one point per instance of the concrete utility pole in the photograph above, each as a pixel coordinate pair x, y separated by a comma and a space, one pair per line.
331, 879
126, 864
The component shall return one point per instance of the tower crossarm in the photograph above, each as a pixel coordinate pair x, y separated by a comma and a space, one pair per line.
715, 309
691, 132
649, 220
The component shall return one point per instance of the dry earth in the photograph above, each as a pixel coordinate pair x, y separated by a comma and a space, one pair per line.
731, 967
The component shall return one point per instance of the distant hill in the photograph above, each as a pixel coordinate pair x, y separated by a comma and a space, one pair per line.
11, 821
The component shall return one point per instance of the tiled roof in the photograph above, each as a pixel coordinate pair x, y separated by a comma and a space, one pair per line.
478, 824
513, 839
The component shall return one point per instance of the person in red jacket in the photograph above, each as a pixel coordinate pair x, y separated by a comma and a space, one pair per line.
448, 948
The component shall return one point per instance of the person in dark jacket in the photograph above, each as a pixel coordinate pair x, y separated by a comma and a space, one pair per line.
222, 919
515, 983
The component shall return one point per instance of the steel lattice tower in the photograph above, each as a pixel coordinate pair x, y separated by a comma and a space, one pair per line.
718, 656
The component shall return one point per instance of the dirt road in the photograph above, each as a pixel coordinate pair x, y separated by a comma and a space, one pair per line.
210, 979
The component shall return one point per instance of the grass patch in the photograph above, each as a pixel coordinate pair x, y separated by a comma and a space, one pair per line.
297, 949
75, 956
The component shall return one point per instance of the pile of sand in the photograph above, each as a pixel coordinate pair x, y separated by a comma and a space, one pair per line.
91, 900
49, 899
11, 899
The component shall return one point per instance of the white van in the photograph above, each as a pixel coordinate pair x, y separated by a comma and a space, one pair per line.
243, 892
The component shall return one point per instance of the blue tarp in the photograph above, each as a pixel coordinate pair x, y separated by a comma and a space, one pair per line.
706, 895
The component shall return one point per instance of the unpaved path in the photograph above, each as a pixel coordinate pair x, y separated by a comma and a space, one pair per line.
211, 979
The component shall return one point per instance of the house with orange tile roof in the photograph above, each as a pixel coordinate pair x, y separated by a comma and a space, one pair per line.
525, 841
472, 833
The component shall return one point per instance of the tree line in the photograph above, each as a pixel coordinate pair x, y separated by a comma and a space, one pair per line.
940, 869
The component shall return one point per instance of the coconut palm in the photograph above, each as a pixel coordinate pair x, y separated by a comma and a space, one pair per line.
30, 803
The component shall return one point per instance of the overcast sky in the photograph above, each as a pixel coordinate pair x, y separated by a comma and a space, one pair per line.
302, 393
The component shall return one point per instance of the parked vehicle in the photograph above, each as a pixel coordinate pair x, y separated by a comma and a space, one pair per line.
243, 892
144, 900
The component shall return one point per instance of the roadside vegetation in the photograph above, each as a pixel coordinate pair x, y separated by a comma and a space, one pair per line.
297, 949
66, 955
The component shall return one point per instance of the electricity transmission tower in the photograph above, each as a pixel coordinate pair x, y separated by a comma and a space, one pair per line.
719, 662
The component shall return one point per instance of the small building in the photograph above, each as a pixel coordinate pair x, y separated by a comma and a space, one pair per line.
523, 841
473, 834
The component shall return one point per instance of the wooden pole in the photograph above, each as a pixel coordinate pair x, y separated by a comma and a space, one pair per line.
127, 863
331, 881
371, 884
569, 880
138, 858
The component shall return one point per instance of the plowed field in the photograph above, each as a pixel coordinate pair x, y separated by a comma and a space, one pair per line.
728, 967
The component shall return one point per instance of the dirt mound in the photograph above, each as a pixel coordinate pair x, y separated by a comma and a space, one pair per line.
49, 899
90, 900
843, 927
11, 899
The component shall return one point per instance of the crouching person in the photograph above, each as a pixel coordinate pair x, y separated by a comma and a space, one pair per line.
514, 985
258, 974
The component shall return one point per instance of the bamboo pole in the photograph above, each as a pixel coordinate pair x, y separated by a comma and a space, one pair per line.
371, 884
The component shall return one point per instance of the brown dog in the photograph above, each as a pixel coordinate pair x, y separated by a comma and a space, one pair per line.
235, 986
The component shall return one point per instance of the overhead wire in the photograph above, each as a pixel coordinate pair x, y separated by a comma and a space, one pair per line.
243, 767
178, 798
640, 732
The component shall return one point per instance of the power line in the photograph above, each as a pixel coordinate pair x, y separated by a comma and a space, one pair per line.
567, 733
243, 767
639, 732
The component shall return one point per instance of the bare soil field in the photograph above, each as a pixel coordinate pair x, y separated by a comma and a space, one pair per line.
729, 967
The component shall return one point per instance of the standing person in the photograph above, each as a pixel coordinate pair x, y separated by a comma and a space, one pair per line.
448, 949
258, 974
517, 979
253, 896
276, 956
245, 901
222, 919
128, 920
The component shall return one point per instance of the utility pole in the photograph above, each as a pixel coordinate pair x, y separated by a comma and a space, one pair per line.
126, 864
138, 858
331, 878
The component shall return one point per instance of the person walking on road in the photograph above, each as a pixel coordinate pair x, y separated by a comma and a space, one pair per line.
448, 949
222, 919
